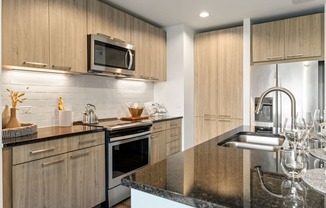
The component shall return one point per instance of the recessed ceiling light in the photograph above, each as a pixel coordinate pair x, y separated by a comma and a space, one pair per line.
204, 14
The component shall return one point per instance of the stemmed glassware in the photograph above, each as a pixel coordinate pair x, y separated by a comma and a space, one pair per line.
320, 126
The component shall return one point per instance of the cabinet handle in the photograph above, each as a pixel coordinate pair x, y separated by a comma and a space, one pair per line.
157, 128
224, 120
173, 125
226, 116
34, 63
294, 55
209, 119
87, 141
209, 115
173, 135
274, 57
79, 155
144, 77
53, 162
42, 150
154, 78
154, 137
64, 68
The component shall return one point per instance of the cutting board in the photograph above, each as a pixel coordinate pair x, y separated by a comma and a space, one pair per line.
129, 118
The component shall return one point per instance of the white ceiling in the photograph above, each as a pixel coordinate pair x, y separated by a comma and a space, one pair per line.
222, 12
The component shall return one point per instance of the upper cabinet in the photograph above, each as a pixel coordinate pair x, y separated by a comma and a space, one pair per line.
45, 34
25, 36
289, 39
150, 41
68, 39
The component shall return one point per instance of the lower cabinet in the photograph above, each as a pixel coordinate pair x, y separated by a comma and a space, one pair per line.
75, 178
165, 139
41, 183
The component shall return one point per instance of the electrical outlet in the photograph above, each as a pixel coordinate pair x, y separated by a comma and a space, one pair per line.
25, 109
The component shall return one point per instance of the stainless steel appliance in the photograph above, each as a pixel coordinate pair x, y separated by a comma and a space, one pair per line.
110, 55
89, 115
304, 79
127, 150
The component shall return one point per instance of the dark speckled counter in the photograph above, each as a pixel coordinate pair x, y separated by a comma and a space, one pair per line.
208, 175
49, 133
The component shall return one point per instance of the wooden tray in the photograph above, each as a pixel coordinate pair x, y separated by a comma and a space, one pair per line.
24, 130
129, 118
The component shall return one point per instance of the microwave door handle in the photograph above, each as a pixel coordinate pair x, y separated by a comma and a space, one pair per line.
126, 58
131, 59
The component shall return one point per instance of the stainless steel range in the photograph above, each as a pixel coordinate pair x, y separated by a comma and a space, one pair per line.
127, 150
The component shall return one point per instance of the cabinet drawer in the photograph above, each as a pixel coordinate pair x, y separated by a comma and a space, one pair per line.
86, 140
172, 147
173, 134
173, 123
159, 126
39, 150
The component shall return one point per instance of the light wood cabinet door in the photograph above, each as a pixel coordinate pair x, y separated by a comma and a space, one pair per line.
206, 74
86, 176
303, 36
225, 125
268, 41
25, 41
140, 38
158, 146
68, 35
41, 183
210, 128
229, 75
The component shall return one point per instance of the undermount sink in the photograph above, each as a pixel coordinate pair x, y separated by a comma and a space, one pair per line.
253, 141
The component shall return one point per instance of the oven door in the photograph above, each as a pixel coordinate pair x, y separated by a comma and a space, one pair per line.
126, 156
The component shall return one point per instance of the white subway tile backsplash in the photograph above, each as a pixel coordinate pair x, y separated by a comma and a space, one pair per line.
109, 95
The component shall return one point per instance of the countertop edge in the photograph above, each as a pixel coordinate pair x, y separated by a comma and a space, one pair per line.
173, 196
166, 119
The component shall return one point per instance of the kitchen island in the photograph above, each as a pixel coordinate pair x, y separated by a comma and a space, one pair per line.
209, 175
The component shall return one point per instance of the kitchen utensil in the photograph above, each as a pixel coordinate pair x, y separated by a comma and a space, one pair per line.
89, 115
136, 111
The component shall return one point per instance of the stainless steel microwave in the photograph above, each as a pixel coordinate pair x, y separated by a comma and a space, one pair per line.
109, 55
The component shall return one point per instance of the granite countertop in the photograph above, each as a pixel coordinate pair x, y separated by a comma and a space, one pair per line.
55, 132
48, 133
209, 175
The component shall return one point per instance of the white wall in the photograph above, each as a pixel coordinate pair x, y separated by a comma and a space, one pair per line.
246, 71
107, 94
177, 93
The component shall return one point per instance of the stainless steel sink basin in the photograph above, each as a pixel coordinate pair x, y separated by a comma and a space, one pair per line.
247, 140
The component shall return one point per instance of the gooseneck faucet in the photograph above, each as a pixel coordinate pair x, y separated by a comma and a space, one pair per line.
286, 91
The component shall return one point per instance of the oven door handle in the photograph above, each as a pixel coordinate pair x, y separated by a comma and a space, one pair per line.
114, 139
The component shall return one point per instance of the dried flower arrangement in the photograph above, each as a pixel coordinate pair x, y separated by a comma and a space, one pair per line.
16, 97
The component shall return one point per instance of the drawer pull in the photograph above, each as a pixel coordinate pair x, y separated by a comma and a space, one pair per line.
157, 128
154, 137
154, 78
274, 57
209, 119
144, 77
53, 162
173, 125
224, 121
79, 155
42, 150
226, 116
63, 68
35, 63
173, 135
87, 141
209, 115
294, 55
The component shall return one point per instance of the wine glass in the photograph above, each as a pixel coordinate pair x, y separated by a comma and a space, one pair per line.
289, 132
303, 125
320, 126
294, 162
294, 193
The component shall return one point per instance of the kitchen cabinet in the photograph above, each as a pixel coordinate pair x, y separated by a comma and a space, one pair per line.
218, 80
45, 34
58, 173
25, 40
298, 38
68, 35
165, 139
107, 20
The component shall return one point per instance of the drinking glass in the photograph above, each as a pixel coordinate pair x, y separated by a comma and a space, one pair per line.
294, 193
289, 133
294, 162
303, 125
320, 126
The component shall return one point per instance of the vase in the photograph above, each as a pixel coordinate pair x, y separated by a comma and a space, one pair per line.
13, 122
5, 116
